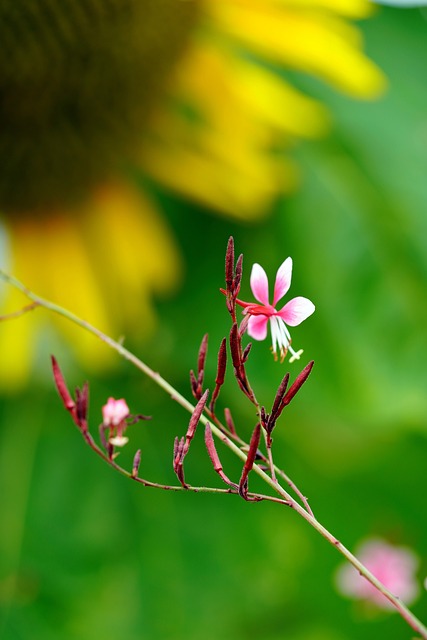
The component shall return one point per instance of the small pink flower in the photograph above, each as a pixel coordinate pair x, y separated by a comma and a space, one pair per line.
395, 567
292, 314
114, 414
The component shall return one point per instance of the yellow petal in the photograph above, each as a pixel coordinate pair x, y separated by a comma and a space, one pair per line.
348, 8
313, 41
134, 254
103, 262
17, 345
278, 104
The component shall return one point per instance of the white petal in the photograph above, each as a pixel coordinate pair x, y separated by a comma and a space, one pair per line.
257, 327
296, 310
118, 441
283, 280
259, 284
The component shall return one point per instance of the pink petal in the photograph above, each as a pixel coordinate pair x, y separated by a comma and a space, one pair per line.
283, 280
259, 283
395, 567
257, 327
114, 411
296, 310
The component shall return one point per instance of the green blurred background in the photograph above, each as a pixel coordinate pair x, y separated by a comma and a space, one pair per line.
87, 554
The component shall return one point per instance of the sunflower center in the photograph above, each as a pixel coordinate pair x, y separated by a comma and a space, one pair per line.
77, 81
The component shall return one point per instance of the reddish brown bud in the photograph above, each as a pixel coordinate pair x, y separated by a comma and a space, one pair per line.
178, 453
229, 422
61, 386
244, 325
238, 275
136, 463
175, 449
239, 369
246, 352
229, 263
195, 417
222, 363
202, 358
235, 346
297, 384
82, 399
279, 395
263, 417
210, 446
195, 386
182, 446
220, 375
278, 405
250, 459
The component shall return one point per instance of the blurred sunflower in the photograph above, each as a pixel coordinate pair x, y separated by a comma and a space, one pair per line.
189, 94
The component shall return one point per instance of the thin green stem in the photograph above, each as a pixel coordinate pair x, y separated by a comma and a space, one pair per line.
270, 458
285, 497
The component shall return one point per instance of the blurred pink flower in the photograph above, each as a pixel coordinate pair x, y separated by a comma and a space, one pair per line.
114, 414
293, 313
394, 566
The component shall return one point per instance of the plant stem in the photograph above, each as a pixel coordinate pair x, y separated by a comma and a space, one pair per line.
286, 498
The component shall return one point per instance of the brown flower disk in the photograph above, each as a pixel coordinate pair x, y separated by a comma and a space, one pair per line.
78, 79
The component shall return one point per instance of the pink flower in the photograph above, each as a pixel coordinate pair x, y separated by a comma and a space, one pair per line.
292, 314
395, 567
114, 414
